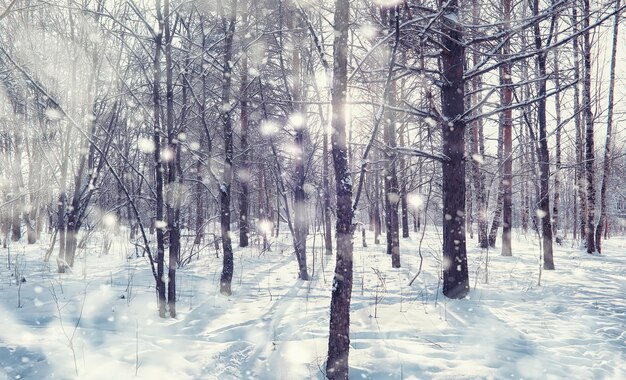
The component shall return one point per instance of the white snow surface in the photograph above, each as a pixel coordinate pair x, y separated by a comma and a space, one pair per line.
275, 326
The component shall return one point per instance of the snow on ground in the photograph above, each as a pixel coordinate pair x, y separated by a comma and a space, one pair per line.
275, 326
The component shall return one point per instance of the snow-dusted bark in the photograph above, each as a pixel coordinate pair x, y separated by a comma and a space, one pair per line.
339, 331
589, 132
226, 278
158, 165
455, 272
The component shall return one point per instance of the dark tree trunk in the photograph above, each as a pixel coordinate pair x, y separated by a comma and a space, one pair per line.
173, 167
244, 174
300, 227
377, 216
543, 153
158, 165
606, 172
200, 212
300, 222
339, 330
589, 146
392, 193
227, 174
455, 271
328, 239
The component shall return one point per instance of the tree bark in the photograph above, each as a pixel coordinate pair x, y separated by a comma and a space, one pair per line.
507, 126
589, 138
392, 192
404, 204
328, 239
455, 270
174, 192
339, 330
578, 121
227, 174
557, 175
244, 171
158, 165
497, 217
606, 172
543, 153
300, 228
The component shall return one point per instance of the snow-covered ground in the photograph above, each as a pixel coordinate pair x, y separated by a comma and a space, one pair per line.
275, 326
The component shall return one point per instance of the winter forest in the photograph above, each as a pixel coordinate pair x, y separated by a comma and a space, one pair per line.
298, 189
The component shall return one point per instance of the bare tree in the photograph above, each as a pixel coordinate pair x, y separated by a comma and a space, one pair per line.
455, 272
339, 331
228, 25
589, 131
507, 126
606, 168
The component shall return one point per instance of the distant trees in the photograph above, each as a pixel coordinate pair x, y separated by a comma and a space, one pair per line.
170, 117
204, 119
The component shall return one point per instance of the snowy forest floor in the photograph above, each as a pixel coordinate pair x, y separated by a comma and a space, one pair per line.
276, 327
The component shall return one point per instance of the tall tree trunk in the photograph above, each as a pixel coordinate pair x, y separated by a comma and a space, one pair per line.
328, 239
160, 222
173, 190
557, 175
244, 171
84, 189
543, 153
17, 183
455, 271
606, 172
578, 121
200, 212
158, 164
392, 193
476, 144
404, 204
524, 198
497, 216
227, 174
589, 138
376, 205
339, 330
507, 126
300, 211
34, 181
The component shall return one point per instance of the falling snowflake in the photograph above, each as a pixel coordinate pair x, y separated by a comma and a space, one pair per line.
145, 145
269, 128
